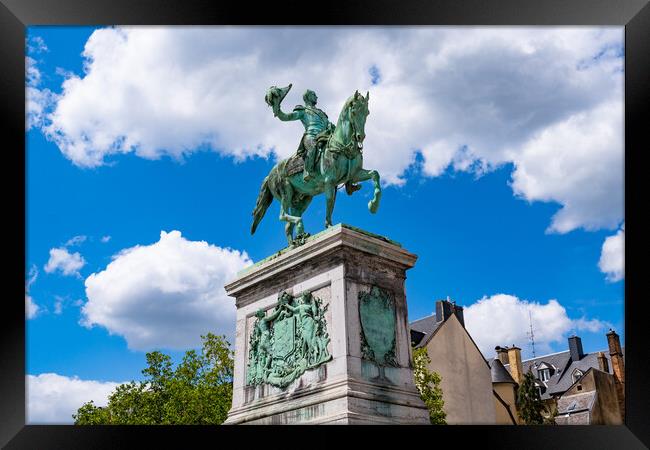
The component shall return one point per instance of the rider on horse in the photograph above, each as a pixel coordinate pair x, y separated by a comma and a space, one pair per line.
317, 130
315, 122
333, 157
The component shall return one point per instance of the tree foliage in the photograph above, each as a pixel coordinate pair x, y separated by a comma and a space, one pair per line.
197, 391
428, 383
529, 402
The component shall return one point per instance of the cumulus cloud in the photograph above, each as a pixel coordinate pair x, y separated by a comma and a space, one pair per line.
165, 295
53, 398
470, 98
573, 163
105, 239
503, 319
64, 261
612, 256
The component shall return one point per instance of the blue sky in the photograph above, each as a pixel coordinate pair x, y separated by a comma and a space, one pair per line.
505, 198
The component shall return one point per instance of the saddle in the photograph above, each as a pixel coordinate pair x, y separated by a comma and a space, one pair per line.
296, 162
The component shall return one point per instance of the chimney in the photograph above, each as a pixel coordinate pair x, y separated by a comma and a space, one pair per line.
575, 348
602, 362
514, 359
445, 308
502, 354
618, 367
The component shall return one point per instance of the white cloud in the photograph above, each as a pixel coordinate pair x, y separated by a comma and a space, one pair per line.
503, 95
77, 240
31, 308
105, 239
579, 164
165, 295
504, 320
36, 44
33, 75
612, 256
53, 398
58, 304
33, 275
67, 263
38, 102
590, 325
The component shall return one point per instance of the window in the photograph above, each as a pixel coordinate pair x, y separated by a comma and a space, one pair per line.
544, 374
576, 375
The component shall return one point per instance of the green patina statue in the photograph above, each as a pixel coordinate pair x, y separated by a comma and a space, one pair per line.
328, 156
288, 341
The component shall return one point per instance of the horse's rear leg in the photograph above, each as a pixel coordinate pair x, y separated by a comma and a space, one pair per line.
297, 210
285, 205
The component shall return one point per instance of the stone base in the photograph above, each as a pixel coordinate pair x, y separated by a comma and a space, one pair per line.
336, 266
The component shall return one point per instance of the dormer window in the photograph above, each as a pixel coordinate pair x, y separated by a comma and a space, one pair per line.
543, 372
577, 374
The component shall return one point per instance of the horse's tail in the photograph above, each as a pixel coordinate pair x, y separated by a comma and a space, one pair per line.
264, 199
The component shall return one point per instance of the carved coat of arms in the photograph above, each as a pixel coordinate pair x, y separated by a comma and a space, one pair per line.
290, 340
284, 334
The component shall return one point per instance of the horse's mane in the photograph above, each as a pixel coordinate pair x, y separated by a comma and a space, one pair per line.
346, 106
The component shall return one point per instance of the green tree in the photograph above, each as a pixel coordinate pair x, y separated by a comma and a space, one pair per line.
428, 383
529, 402
197, 391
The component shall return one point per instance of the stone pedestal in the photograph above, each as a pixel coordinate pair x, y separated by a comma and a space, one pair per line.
359, 279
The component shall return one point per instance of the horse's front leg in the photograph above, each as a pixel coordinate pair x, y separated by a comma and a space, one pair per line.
330, 196
363, 175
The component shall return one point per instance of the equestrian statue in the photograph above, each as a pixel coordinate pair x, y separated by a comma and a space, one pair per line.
328, 157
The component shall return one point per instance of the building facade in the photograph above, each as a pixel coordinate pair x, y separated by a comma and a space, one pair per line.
576, 387
466, 380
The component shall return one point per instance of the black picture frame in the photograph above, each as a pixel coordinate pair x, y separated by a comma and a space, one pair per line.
16, 15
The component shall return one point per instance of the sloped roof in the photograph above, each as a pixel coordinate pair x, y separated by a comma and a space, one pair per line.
566, 378
499, 373
578, 402
425, 324
561, 379
424, 328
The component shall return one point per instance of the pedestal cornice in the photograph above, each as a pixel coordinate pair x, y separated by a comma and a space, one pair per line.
323, 243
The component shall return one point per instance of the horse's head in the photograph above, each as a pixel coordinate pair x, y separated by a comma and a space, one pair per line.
357, 112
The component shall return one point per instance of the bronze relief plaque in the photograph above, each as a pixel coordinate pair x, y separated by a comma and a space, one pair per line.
377, 315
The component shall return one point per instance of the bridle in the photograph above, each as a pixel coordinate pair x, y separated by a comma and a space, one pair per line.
351, 149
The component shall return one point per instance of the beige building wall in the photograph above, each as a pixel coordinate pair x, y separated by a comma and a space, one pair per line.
466, 379
606, 409
507, 393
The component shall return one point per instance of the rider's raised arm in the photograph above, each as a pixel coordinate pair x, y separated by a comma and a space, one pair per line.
296, 114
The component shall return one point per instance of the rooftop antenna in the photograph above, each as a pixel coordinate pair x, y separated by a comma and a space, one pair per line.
530, 334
